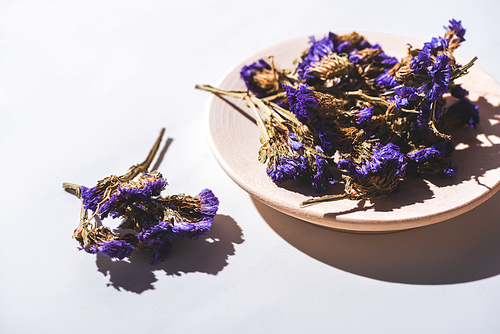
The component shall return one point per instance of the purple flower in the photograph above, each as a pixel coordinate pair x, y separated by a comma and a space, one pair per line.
436, 151
209, 204
159, 235
317, 51
344, 47
355, 57
327, 137
294, 142
456, 27
386, 160
386, 80
302, 102
436, 44
404, 95
208, 207
364, 115
420, 63
450, 170
260, 78
287, 169
421, 124
91, 197
127, 196
159, 238
384, 59
154, 232
118, 249
440, 74
323, 177
363, 56
189, 230
349, 166
440, 70
91, 250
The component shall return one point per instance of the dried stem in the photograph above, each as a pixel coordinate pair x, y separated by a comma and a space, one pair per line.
326, 198
144, 166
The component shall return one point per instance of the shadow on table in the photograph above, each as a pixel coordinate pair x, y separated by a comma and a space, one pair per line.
462, 249
208, 254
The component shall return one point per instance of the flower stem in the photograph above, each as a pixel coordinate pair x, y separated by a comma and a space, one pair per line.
75, 188
234, 93
463, 70
144, 166
326, 198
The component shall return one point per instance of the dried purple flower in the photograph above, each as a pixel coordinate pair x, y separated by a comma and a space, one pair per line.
420, 63
364, 115
386, 80
155, 220
386, 159
323, 177
91, 197
374, 174
118, 249
436, 44
158, 238
303, 103
404, 96
456, 27
317, 51
113, 196
260, 78
307, 104
182, 217
294, 142
287, 169
436, 151
439, 74
327, 136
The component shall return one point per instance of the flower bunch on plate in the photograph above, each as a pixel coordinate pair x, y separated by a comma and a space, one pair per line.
149, 220
349, 107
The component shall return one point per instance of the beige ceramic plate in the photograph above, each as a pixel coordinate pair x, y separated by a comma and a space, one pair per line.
233, 137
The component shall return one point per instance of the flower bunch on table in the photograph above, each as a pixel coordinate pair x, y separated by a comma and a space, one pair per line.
349, 108
151, 221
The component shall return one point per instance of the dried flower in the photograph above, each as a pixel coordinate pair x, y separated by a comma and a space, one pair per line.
118, 249
136, 198
382, 118
404, 96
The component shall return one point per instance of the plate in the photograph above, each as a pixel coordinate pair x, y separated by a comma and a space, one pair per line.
233, 138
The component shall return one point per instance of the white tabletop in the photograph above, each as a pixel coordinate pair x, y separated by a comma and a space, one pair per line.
86, 86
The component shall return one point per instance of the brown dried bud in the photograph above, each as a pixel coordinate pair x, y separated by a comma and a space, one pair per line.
403, 72
329, 67
328, 103
354, 38
267, 80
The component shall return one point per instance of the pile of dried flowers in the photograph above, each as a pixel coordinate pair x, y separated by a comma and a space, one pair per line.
152, 221
348, 106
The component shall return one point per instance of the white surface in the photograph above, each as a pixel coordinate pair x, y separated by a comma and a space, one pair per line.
85, 87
